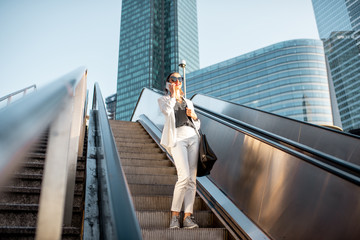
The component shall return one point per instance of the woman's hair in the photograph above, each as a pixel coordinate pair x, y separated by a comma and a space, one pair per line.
168, 80
168, 77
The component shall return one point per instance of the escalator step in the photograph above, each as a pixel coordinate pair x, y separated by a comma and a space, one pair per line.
149, 170
189, 234
151, 189
160, 202
161, 219
144, 163
151, 179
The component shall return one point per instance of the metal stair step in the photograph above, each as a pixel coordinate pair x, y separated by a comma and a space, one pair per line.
25, 207
141, 162
152, 150
38, 168
151, 179
149, 170
35, 155
34, 180
26, 233
162, 203
26, 215
128, 131
29, 195
188, 234
119, 139
161, 219
119, 123
151, 189
132, 136
137, 144
157, 156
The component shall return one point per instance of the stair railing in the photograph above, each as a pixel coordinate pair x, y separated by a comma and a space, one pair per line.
117, 213
60, 106
23, 91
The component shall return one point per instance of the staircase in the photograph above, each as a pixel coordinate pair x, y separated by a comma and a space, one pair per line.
19, 199
151, 177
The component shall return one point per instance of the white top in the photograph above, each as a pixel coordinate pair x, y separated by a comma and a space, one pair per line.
166, 104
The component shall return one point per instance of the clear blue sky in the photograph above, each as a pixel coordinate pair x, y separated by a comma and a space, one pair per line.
41, 40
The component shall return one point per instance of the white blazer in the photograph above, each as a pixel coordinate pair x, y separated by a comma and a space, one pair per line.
166, 104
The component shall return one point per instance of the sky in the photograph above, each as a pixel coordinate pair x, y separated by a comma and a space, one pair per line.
42, 40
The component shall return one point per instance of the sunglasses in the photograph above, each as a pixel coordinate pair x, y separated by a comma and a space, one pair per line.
174, 79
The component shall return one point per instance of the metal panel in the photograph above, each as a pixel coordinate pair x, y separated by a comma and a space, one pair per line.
338, 144
284, 195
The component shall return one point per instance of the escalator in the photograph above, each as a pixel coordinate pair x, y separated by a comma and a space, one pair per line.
276, 178
151, 177
19, 199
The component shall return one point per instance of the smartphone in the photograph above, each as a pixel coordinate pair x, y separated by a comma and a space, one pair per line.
168, 86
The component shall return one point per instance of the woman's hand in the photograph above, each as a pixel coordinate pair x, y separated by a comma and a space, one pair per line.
172, 89
191, 114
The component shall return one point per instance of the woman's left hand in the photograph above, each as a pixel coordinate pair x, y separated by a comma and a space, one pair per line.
191, 113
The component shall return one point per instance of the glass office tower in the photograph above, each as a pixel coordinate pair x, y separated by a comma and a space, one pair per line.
155, 36
338, 23
288, 78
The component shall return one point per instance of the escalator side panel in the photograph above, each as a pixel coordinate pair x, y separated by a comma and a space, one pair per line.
285, 196
335, 143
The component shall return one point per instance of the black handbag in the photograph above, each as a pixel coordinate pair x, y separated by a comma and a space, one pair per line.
207, 157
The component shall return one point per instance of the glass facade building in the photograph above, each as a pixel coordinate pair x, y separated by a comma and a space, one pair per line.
155, 36
287, 78
338, 23
110, 102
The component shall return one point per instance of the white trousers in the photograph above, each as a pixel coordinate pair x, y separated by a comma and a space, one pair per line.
185, 155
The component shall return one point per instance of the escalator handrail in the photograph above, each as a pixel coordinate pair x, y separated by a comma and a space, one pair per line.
17, 92
23, 121
341, 168
123, 218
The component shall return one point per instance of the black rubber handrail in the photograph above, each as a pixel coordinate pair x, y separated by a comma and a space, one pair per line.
341, 168
123, 218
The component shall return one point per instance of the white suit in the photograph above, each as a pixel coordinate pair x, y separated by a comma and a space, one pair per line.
183, 143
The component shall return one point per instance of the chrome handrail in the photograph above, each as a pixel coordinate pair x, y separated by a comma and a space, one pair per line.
9, 96
58, 105
118, 217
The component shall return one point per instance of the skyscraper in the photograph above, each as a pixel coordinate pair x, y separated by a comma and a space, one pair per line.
338, 23
288, 78
154, 36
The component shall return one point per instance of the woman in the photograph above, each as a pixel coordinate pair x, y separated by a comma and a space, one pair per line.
180, 136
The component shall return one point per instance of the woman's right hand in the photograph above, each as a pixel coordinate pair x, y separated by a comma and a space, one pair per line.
172, 89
